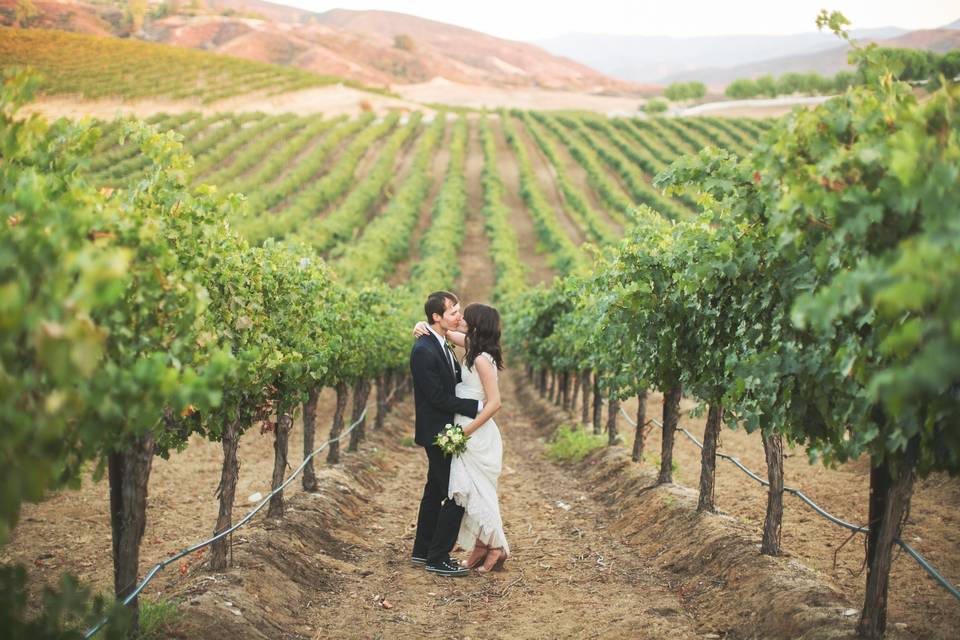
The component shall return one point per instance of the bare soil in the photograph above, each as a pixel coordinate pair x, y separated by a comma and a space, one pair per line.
440, 90
303, 152
70, 530
595, 553
403, 163
753, 112
337, 99
547, 181
330, 101
710, 561
369, 159
540, 269
918, 607
438, 169
329, 162
476, 275
563, 564
578, 177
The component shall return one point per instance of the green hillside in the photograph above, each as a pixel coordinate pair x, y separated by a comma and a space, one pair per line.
96, 66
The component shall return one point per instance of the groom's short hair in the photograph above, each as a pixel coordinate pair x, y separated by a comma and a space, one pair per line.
437, 303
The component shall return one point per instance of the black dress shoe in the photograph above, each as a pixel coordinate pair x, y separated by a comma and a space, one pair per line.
447, 568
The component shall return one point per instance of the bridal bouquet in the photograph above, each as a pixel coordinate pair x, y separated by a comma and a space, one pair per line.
452, 440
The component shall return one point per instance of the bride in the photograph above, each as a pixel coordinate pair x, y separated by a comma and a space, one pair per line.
474, 474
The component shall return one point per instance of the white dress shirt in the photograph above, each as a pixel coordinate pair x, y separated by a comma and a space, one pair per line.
443, 345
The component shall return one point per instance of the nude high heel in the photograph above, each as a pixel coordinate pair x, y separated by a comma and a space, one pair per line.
476, 557
494, 560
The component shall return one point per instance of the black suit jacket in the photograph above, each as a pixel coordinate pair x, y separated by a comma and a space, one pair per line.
434, 389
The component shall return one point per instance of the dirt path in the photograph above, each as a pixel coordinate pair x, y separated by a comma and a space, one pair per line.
331, 100
540, 269
301, 154
371, 156
547, 180
289, 129
563, 563
476, 270
438, 169
933, 528
755, 108
402, 164
331, 160
440, 90
578, 177
612, 174
566, 578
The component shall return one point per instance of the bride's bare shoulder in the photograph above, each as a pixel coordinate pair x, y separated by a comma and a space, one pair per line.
485, 362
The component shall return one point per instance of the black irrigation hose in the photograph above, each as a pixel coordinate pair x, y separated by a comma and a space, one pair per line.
157, 568
930, 569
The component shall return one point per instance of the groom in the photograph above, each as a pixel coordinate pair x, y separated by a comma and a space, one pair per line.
435, 376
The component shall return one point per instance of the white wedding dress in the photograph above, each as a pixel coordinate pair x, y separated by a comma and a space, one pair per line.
474, 474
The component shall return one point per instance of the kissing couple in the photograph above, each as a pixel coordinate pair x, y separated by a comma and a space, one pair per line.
459, 503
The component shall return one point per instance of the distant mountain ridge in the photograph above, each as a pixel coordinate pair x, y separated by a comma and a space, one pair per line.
827, 62
461, 54
717, 59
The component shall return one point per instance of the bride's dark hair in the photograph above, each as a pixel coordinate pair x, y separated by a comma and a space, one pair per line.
483, 334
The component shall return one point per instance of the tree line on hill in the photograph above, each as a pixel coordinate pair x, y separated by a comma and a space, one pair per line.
914, 66
908, 65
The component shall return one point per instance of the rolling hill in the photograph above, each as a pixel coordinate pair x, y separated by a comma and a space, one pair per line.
95, 66
373, 47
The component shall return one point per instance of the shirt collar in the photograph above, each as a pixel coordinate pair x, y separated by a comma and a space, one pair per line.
443, 343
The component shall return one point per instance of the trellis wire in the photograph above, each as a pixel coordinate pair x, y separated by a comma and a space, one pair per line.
930, 569
157, 568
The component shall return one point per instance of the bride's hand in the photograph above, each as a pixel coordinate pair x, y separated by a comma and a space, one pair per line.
468, 429
420, 329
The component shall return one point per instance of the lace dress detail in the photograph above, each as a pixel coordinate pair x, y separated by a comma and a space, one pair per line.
474, 474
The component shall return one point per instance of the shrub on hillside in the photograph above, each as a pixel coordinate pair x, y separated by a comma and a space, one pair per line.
654, 106
403, 42
685, 91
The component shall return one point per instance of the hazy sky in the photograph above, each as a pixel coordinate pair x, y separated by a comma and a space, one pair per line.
533, 19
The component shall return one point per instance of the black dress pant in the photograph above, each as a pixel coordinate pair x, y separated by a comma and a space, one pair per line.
438, 522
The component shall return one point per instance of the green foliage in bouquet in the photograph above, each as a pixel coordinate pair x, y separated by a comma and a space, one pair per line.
452, 440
